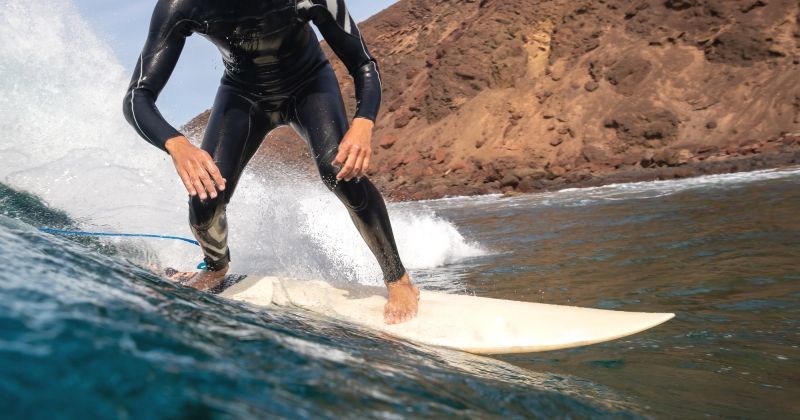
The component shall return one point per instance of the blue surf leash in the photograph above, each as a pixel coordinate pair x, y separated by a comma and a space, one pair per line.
201, 266
125, 235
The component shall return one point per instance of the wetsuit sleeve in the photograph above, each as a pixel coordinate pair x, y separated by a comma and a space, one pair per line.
169, 28
340, 31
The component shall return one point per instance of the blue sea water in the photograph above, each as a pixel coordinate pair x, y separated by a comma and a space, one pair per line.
88, 332
722, 252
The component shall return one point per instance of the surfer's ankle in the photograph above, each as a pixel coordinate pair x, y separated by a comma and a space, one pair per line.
209, 264
221, 271
405, 280
218, 268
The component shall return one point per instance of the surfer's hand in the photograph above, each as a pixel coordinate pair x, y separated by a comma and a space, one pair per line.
196, 168
355, 150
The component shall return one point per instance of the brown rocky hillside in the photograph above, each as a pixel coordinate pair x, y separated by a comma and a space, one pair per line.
520, 95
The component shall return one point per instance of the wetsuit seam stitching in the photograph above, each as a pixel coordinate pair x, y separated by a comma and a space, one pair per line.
306, 137
141, 77
249, 131
133, 96
172, 29
247, 136
300, 123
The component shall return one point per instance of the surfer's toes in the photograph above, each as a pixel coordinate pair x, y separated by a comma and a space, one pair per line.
176, 276
398, 317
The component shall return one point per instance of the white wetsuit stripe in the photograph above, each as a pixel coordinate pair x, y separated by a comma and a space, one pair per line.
333, 8
347, 21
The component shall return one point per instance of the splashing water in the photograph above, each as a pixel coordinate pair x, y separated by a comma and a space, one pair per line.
66, 141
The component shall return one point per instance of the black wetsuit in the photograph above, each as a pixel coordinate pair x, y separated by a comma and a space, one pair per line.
275, 74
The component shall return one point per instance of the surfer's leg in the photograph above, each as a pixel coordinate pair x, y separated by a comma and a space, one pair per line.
319, 117
236, 128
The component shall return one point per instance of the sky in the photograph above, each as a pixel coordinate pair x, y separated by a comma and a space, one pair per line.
191, 89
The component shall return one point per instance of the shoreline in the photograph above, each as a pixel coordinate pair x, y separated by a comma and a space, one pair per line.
712, 163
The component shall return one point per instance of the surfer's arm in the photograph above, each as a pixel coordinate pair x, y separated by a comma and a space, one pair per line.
340, 31
169, 27
165, 41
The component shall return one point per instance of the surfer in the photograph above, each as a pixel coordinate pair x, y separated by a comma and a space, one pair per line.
275, 74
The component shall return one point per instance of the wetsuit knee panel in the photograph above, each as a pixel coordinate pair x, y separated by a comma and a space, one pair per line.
328, 173
210, 228
203, 213
355, 194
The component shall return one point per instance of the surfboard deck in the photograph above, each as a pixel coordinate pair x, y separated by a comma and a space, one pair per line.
469, 323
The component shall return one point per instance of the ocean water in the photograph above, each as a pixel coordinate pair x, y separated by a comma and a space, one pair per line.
87, 330
721, 252
86, 333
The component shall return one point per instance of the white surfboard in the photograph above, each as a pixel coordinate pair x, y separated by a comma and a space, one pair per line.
473, 324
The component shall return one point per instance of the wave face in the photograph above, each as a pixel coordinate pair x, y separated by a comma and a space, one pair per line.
66, 141
88, 334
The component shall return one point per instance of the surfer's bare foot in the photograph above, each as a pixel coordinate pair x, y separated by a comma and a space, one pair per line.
403, 301
201, 280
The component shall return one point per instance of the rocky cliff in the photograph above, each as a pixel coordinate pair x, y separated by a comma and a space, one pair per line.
521, 95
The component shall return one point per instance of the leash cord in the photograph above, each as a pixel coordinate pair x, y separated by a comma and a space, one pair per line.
127, 235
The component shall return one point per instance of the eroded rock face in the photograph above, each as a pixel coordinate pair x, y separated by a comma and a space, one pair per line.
628, 73
519, 95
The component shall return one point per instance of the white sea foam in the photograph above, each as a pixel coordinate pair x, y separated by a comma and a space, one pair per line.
64, 139
649, 189
577, 197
